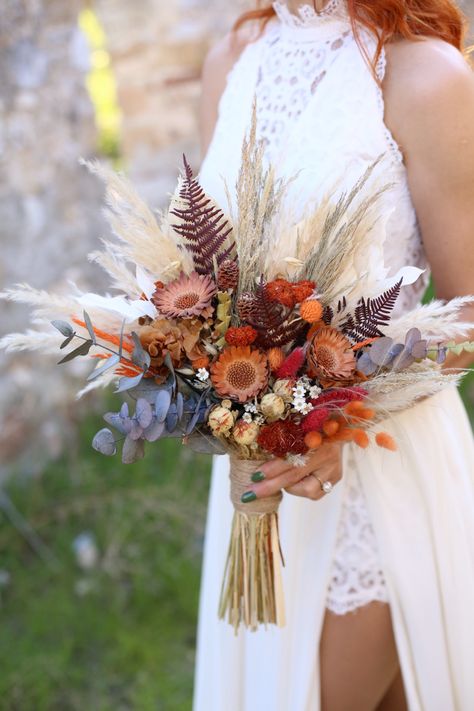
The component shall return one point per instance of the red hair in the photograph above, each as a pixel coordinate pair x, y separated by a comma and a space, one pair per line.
387, 19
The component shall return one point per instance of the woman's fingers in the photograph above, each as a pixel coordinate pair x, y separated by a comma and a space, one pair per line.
308, 488
271, 486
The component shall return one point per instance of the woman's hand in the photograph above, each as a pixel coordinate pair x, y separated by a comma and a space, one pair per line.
277, 474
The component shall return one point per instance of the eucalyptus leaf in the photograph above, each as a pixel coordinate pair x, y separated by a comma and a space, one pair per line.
121, 424
162, 404
379, 352
366, 365
143, 413
109, 363
139, 355
154, 431
81, 350
413, 336
180, 405
67, 341
419, 349
104, 442
124, 411
172, 418
63, 327
128, 383
88, 322
136, 431
121, 339
197, 414
132, 450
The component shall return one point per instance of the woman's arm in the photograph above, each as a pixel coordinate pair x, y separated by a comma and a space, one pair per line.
429, 100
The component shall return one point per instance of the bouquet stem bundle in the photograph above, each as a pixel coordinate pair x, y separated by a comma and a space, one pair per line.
252, 589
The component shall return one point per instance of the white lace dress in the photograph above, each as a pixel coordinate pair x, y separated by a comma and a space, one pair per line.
320, 112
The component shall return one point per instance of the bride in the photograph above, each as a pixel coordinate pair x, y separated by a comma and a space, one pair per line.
379, 577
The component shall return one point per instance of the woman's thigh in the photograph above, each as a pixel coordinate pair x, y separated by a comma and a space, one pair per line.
358, 658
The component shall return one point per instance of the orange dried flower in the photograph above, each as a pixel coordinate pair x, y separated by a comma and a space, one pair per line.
386, 441
240, 373
275, 358
330, 356
313, 440
311, 310
302, 290
241, 336
281, 291
330, 427
189, 295
366, 413
361, 438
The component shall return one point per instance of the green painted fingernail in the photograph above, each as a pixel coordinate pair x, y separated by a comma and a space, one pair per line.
258, 476
248, 497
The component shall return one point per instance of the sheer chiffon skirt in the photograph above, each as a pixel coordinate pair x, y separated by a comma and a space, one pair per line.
418, 514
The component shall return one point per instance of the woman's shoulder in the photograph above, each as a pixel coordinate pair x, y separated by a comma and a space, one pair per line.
425, 70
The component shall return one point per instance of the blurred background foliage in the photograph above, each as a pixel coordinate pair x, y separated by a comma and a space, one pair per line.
100, 563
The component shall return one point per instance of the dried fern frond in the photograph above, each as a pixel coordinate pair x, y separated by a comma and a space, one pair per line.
370, 314
141, 239
270, 320
203, 227
438, 319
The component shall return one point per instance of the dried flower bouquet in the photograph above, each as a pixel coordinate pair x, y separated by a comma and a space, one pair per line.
250, 335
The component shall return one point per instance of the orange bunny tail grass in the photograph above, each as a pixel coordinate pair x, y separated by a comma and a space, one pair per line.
366, 413
313, 440
386, 441
360, 438
330, 427
111, 338
344, 434
355, 407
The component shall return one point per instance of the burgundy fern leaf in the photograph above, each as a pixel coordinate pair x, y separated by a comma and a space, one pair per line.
270, 320
328, 315
371, 314
203, 225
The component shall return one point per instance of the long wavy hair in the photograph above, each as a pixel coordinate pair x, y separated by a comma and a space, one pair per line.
387, 19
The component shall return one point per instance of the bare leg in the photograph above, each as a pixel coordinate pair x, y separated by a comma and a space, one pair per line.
395, 697
359, 660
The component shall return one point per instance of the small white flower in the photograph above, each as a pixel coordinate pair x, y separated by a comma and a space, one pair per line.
203, 375
306, 409
250, 407
247, 417
314, 392
299, 391
260, 420
297, 460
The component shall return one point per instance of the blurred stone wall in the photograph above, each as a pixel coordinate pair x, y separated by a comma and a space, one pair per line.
157, 49
49, 205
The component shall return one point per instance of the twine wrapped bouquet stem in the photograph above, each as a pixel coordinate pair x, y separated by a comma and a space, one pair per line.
252, 589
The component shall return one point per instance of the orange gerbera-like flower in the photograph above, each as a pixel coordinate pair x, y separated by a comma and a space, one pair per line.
240, 373
330, 356
186, 296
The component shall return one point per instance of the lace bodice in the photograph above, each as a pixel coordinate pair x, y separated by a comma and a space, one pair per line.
320, 112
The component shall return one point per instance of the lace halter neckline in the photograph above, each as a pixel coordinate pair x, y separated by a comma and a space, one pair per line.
306, 17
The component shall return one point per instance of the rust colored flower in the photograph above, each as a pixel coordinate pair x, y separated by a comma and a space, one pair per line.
311, 310
282, 437
303, 290
242, 336
186, 296
281, 291
330, 356
240, 373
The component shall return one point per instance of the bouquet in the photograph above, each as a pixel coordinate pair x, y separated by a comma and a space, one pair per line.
250, 335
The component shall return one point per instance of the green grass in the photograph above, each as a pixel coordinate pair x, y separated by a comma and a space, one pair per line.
121, 636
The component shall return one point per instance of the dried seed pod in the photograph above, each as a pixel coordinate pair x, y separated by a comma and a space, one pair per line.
228, 275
